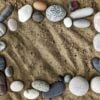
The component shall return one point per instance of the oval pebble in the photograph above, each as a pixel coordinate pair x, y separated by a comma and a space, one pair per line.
40, 85
31, 94
40, 5
37, 16
55, 13
96, 42
16, 86
3, 29
95, 84
25, 13
2, 63
2, 45
9, 72
67, 78
68, 22
78, 86
81, 23
56, 89
81, 13
12, 24
97, 22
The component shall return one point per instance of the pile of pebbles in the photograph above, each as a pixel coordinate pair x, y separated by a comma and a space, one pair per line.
78, 85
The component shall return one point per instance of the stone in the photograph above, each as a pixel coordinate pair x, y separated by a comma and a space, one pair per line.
12, 24
67, 78
56, 89
3, 29
96, 42
2, 63
2, 45
40, 5
41, 85
55, 13
9, 72
81, 23
31, 94
24, 13
95, 84
97, 21
81, 13
79, 86
68, 22
37, 16
17, 86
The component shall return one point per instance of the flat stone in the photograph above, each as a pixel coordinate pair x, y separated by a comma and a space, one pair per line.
2, 45
2, 63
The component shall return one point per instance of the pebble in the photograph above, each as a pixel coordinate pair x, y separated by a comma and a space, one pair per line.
81, 13
12, 24
95, 84
56, 89
40, 5
3, 29
16, 86
41, 85
25, 13
81, 23
55, 13
37, 16
96, 42
2, 45
68, 22
9, 72
79, 86
67, 78
2, 63
97, 22
31, 94
3, 84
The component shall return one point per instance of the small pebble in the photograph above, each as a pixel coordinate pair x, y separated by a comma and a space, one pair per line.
41, 85
81, 23
3, 29
2, 63
67, 78
12, 24
96, 42
16, 86
55, 13
95, 84
9, 72
79, 86
2, 45
31, 94
56, 89
68, 22
40, 5
24, 13
37, 16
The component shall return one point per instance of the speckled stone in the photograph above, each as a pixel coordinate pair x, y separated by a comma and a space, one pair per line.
2, 63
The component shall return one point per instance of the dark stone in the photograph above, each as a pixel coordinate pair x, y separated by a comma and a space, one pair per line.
2, 63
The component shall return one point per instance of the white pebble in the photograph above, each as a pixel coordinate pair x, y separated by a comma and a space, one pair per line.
31, 94
25, 13
67, 78
95, 84
16, 86
68, 22
3, 29
40, 85
9, 72
2, 45
78, 86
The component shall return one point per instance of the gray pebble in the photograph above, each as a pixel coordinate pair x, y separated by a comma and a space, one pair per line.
67, 78
9, 72
2, 45
2, 63
55, 13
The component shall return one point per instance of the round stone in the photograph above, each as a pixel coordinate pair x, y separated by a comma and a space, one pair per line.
68, 22
78, 86
31, 94
40, 85
17, 86
12, 24
96, 42
2, 63
95, 84
67, 78
2, 45
37, 16
55, 13
25, 13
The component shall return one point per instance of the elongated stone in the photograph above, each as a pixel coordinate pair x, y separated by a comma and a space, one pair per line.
2, 63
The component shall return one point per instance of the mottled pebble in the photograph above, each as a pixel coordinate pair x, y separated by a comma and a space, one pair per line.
9, 71
2, 45
55, 13
79, 86
2, 63
67, 78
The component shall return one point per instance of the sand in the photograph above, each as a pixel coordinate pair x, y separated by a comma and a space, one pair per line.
46, 50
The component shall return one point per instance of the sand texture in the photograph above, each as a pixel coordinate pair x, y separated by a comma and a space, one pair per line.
46, 50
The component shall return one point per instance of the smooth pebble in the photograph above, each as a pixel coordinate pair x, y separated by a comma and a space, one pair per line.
55, 13
2, 63
41, 85
9, 72
67, 78
2, 45
79, 86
